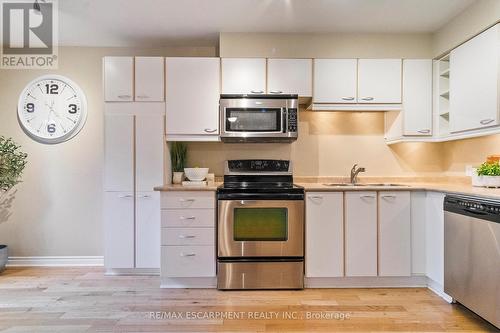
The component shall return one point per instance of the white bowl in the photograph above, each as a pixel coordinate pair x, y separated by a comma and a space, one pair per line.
196, 174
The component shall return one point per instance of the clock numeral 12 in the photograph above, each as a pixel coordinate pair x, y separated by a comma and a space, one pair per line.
51, 89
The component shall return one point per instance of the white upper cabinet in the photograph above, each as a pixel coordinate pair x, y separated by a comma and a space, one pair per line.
149, 131
474, 76
394, 233
118, 79
335, 80
149, 79
289, 76
243, 75
417, 97
325, 234
192, 94
379, 81
119, 153
361, 233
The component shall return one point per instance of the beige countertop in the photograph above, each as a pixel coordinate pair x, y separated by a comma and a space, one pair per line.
448, 187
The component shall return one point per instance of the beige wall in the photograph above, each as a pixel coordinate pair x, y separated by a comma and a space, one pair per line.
474, 19
333, 45
57, 208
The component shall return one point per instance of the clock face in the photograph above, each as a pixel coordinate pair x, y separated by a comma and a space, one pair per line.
52, 109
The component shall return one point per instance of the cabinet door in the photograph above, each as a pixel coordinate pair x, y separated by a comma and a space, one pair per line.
192, 96
289, 76
118, 79
325, 234
335, 80
361, 233
119, 230
434, 237
379, 81
394, 249
147, 229
243, 75
417, 97
148, 151
474, 82
119, 153
149, 81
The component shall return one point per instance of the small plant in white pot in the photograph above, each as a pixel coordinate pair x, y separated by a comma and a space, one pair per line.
178, 155
12, 163
489, 174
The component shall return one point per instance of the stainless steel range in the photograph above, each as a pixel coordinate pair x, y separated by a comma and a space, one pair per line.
260, 227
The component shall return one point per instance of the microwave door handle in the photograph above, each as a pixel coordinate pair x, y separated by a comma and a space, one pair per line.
284, 123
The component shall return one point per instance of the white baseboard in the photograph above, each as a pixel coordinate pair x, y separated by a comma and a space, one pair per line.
132, 271
438, 289
367, 282
62, 261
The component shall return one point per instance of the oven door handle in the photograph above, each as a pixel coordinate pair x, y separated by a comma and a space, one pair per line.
247, 202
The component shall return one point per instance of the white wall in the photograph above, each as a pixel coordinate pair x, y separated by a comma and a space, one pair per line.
57, 208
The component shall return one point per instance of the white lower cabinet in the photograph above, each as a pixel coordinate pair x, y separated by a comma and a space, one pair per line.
434, 237
361, 233
119, 229
394, 250
325, 234
147, 226
188, 238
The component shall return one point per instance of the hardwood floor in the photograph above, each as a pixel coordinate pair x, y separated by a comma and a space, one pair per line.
84, 300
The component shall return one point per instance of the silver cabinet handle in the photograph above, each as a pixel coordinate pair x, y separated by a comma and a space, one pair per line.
145, 196
315, 197
367, 196
275, 92
188, 254
124, 96
424, 131
388, 196
187, 218
210, 130
143, 96
125, 196
348, 98
367, 98
186, 200
186, 236
257, 91
486, 121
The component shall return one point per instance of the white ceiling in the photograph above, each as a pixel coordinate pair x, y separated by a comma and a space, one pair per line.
198, 22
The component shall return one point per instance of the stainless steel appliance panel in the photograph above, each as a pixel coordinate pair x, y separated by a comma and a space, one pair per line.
230, 246
472, 260
260, 275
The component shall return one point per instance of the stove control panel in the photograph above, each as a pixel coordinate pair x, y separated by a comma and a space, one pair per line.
258, 165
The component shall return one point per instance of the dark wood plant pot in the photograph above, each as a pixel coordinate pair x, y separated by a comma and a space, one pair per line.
4, 253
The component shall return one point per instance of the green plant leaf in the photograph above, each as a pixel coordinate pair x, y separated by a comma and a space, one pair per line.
12, 163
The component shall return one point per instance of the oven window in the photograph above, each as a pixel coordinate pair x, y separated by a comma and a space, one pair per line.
260, 224
253, 120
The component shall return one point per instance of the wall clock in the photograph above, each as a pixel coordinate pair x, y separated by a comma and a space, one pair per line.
52, 109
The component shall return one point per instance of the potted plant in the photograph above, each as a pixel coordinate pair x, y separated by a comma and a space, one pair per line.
178, 155
12, 163
489, 173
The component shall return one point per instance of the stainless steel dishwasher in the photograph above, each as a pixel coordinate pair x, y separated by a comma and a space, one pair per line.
472, 254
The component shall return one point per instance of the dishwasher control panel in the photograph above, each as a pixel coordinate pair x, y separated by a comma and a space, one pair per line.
473, 207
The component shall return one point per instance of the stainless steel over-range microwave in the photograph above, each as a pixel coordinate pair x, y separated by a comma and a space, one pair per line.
259, 118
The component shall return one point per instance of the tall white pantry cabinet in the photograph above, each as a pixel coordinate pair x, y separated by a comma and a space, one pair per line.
133, 167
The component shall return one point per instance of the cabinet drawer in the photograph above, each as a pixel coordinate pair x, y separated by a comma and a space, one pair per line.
188, 261
188, 236
188, 199
187, 218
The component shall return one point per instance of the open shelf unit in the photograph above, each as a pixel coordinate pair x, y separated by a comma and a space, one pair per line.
442, 90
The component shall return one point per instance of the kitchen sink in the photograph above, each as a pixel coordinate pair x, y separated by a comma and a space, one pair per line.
365, 184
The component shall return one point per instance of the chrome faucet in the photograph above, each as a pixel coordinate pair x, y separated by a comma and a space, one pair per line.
354, 173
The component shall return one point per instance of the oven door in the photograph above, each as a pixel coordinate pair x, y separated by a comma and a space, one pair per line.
260, 228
